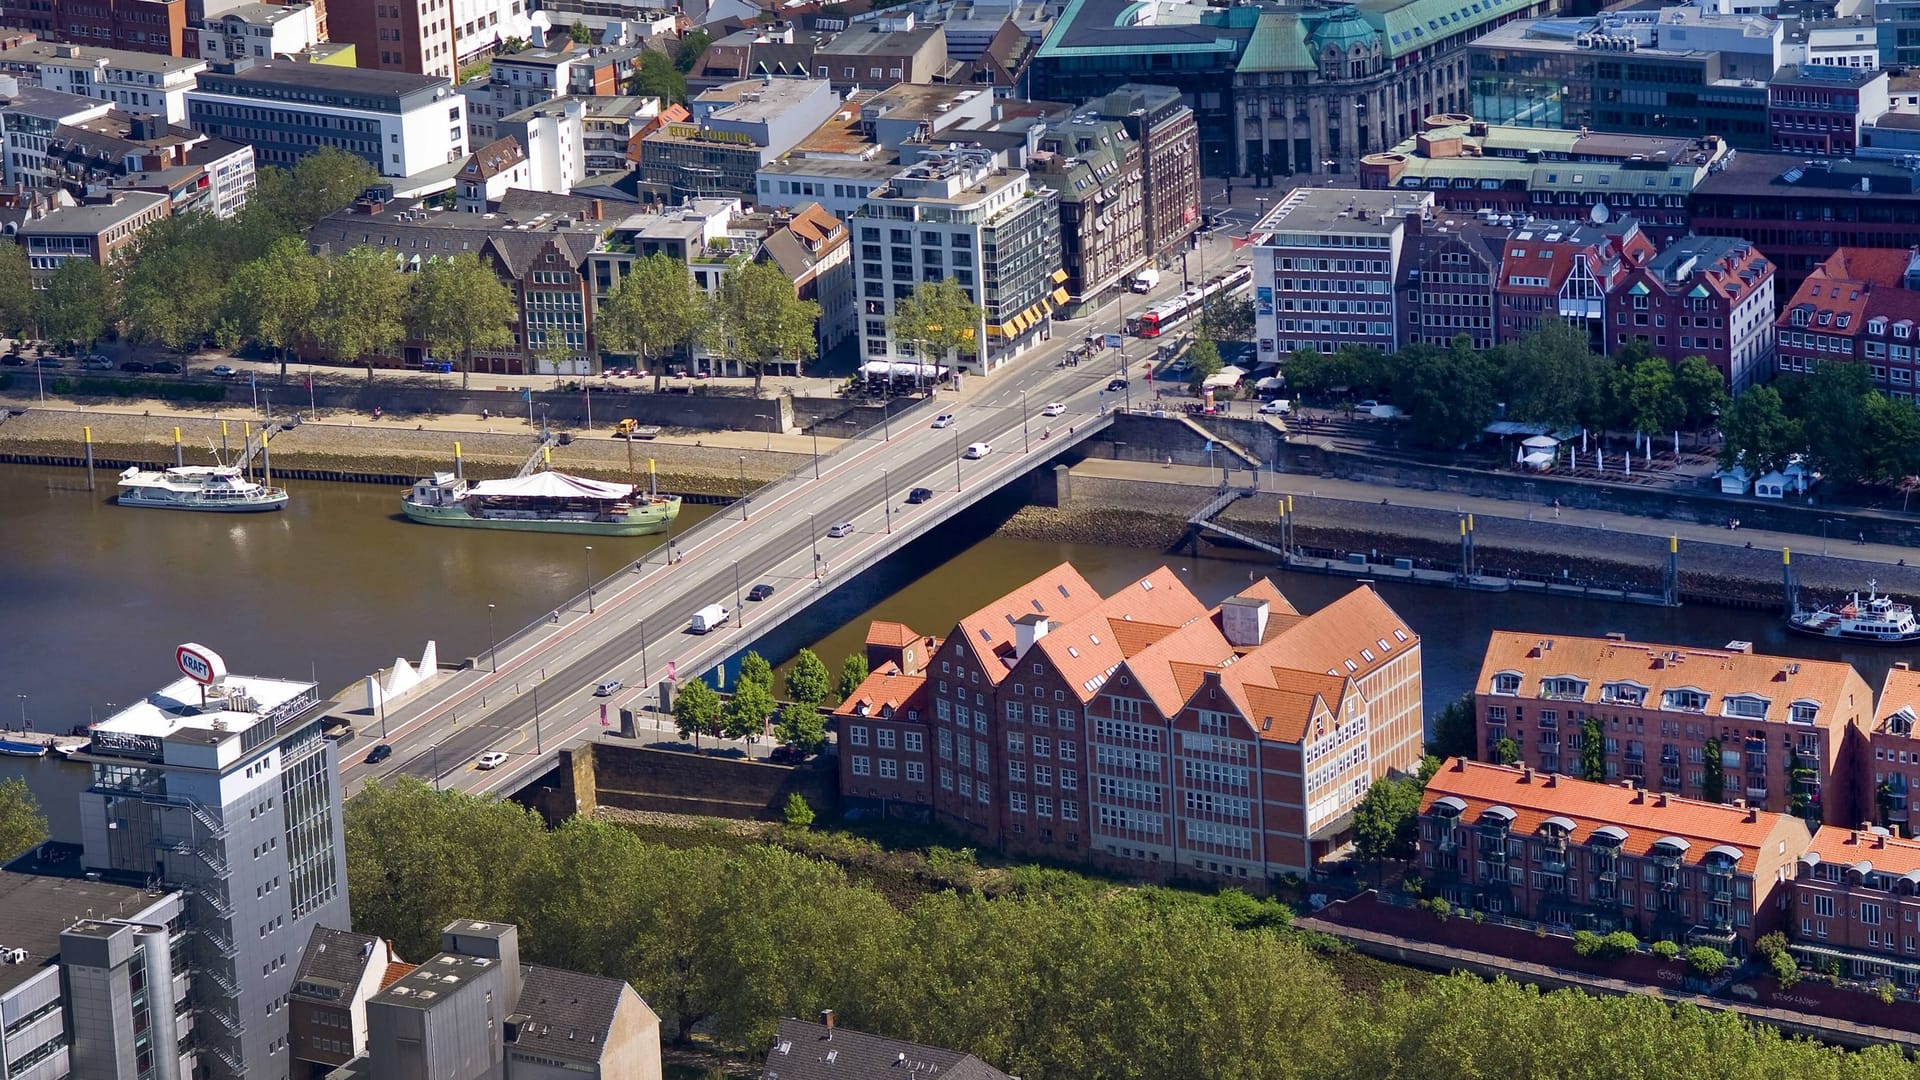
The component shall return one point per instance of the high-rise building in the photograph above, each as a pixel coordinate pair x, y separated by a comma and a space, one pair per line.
1159, 120
222, 786
427, 37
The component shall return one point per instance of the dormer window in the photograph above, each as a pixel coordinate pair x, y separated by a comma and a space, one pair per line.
1803, 712
1903, 329
1685, 699
1623, 693
1877, 325
1745, 706
1562, 686
1506, 682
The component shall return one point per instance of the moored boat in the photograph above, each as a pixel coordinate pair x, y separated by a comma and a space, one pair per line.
1876, 620
217, 488
540, 502
22, 748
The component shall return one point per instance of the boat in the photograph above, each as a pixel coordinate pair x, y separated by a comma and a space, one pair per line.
67, 750
540, 502
22, 748
1876, 620
217, 488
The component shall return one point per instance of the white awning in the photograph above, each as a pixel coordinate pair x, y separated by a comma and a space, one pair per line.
1541, 442
552, 485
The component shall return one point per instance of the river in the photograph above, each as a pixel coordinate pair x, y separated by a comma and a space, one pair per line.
94, 597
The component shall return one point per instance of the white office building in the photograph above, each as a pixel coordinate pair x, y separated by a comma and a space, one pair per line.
139, 82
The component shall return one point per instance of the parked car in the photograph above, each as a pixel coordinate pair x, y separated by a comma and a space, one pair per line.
97, 362
223, 371
135, 366
492, 759
13, 359
1116, 384
944, 420
1054, 408
51, 362
840, 529
1277, 407
379, 754
1366, 406
607, 689
760, 592
166, 367
979, 450
919, 495
786, 755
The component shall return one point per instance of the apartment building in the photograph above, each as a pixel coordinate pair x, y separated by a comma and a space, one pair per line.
401, 124
1574, 271
1799, 211
814, 250
553, 133
1712, 724
1894, 746
1445, 286
736, 128
1158, 118
262, 31
149, 26
1578, 855
97, 229
1094, 165
1859, 306
428, 37
1855, 898
1142, 731
340, 971
888, 50
222, 785
138, 82
610, 126
1708, 296
1324, 266
1820, 109
515, 81
229, 171
29, 118
492, 171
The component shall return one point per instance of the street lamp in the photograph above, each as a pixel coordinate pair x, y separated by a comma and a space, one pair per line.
380, 697
768, 417
886, 495
816, 453
589, 579
646, 677
23, 711
1026, 439
956, 460
737, 605
435, 747
536, 720
493, 644
743, 487
814, 538
269, 393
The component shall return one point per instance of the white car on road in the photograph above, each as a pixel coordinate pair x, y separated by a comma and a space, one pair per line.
493, 759
979, 450
1054, 408
944, 420
1277, 407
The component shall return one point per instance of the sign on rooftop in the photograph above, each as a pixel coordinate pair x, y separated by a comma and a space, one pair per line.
199, 663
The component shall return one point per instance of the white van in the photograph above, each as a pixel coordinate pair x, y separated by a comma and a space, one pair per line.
708, 619
1145, 280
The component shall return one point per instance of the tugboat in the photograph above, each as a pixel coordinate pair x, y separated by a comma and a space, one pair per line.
1877, 620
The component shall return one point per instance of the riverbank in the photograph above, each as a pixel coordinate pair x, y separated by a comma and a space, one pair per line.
356, 447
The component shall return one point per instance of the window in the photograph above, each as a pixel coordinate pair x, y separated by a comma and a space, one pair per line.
1017, 801
911, 742
862, 766
883, 738
889, 769
857, 735
916, 772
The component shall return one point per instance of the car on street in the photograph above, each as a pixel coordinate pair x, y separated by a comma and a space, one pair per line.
379, 754
13, 359
607, 688
840, 529
1366, 406
166, 367
1054, 408
97, 362
944, 420
1116, 384
50, 362
223, 371
786, 755
1277, 407
919, 495
492, 759
979, 450
759, 592
135, 366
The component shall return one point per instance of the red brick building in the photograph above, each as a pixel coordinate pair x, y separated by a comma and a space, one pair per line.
1707, 296
155, 26
1856, 900
1571, 270
1603, 857
1447, 270
1894, 746
1781, 734
1860, 305
883, 739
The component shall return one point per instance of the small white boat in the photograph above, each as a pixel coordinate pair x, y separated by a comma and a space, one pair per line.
217, 488
1877, 620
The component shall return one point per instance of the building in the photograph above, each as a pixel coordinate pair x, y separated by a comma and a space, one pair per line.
1445, 285
261, 31
89, 156
1095, 167
515, 81
736, 129
1820, 109
1574, 271
1676, 70
152, 26
492, 171
1896, 754
29, 117
138, 82
223, 787
1854, 901
815, 250
97, 230
780, 50
1471, 166
553, 134
228, 167
339, 972
1325, 262
427, 37
1710, 296
1159, 120
401, 124
610, 125
956, 213
1602, 857
1142, 731
71, 947
891, 49
826, 1051
1713, 724
1859, 306
1799, 211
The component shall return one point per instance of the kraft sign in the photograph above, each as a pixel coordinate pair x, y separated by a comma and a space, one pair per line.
199, 663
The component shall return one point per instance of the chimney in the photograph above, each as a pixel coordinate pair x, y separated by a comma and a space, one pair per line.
1660, 799
1526, 775
1243, 620
1753, 814
1639, 796
1027, 630
1879, 840
1902, 665
826, 1020
1553, 780
1741, 803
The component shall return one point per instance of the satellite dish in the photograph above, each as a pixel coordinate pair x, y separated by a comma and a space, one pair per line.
1600, 213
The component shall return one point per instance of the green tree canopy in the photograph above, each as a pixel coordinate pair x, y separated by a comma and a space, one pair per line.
1448, 392
1386, 822
853, 672
1552, 376
939, 320
696, 710
459, 305
272, 300
747, 710
1757, 433
1831, 404
1203, 357
755, 669
808, 682
1701, 388
763, 321
686, 54
1652, 404
1230, 318
16, 291
22, 825
802, 728
657, 77
1889, 439
362, 300
655, 309
1453, 730
291, 201
78, 303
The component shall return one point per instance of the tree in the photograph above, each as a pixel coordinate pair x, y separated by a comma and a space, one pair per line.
696, 710
1701, 388
655, 308
1712, 774
459, 305
272, 300
1386, 822
1652, 403
1453, 729
747, 710
1506, 752
755, 669
16, 290
802, 727
1758, 433
1705, 961
938, 320
22, 825
362, 299
580, 32
294, 200
808, 682
1203, 357
763, 320
798, 813
1449, 392
1593, 749
1230, 319
656, 77
853, 672
693, 43
1831, 402
173, 283
1889, 440
1552, 376
77, 304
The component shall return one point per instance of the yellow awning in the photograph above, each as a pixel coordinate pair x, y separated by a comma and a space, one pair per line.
1059, 276
1059, 296
1020, 323
996, 330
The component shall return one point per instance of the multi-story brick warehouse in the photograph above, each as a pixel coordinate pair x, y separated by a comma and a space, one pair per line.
1144, 730
1713, 724
1604, 857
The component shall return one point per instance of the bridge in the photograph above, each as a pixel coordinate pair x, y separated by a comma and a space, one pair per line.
533, 692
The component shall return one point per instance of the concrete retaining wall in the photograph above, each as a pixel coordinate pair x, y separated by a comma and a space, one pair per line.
682, 782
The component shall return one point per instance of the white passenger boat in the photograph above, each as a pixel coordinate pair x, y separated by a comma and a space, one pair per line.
1877, 620
219, 488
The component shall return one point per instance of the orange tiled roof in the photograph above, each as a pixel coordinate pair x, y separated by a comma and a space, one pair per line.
1085, 650
1645, 817
890, 635
1851, 847
1060, 594
1899, 702
884, 687
396, 970
1351, 636
1174, 666
1716, 672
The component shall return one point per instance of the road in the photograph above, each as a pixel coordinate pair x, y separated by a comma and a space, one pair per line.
541, 697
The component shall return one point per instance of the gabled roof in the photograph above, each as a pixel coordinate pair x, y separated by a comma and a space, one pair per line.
493, 159
891, 635
1645, 817
570, 1014
1085, 650
1060, 594
336, 959
886, 686
1898, 709
805, 1051
1852, 847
